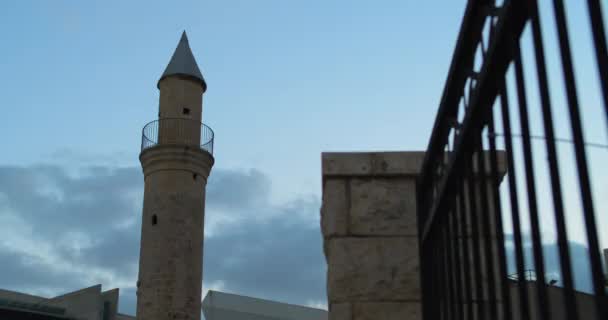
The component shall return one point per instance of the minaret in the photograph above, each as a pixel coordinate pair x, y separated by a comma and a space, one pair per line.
176, 158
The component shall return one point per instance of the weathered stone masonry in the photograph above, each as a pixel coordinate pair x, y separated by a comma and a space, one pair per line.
176, 169
368, 221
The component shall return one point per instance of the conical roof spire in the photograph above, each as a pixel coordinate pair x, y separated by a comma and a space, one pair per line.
183, 63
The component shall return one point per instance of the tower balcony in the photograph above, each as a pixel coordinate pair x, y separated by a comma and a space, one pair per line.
177, 131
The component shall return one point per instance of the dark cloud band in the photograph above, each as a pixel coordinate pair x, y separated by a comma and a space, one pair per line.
90, 221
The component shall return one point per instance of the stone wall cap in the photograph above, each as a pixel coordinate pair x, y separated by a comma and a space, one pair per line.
386, 163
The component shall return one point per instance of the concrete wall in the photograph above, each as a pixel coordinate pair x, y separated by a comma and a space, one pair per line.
18, 296
82, 304
110, 297
226, 306
368, 221
87, 303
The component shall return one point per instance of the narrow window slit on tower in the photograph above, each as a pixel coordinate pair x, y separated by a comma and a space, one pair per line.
154, 220
186, 111
194, 176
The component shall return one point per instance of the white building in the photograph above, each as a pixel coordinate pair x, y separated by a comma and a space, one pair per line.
225, 306
89, 303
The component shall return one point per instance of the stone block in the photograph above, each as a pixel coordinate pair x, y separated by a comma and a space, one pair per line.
340, 311
334, 210
383, 206
371, 163
399, 163
371, 269
387, 311
346, 163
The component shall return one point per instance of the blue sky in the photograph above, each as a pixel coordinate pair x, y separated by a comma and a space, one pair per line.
287, 80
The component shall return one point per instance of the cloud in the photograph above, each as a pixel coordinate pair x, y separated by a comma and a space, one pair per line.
234, 190
277, 258
65, 228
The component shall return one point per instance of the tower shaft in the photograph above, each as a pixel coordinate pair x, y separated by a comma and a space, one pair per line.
171, 254
176, 160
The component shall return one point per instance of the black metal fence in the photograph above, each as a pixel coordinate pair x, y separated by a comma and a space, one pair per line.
488, 192
180, 131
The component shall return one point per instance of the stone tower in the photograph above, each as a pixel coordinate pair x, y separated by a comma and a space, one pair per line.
176, 158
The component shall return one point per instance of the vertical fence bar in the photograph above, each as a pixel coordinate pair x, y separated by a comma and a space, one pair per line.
485, 222
438, 276
477, 259
562, 236
581, 161
543, 302
447, 278
460, 238
425, 253
514, 201
447, 257
455, 260
500, 238
462, 231
601, 52
436, 312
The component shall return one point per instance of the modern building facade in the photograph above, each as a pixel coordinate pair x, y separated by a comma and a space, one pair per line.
176, 158
226, 306
89, 303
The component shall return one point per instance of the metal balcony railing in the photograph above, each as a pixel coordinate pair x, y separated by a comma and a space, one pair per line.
177, 131
465, 221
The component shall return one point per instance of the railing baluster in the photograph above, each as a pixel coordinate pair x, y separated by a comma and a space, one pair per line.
485, 223
519, 253
447, 255
442, 276
502, 260
462, 249
177, 131
537, 248
462, 230
581, 161
601, 52
474, 235
562, 238
455, 260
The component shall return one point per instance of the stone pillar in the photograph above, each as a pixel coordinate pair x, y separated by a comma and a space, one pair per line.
171, 255
368, 221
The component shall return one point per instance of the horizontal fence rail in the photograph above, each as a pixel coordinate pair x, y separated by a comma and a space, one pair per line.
177, 131
489, 187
